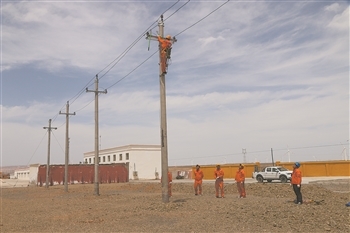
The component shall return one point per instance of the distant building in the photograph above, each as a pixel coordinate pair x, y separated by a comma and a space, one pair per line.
144, 160
27, 173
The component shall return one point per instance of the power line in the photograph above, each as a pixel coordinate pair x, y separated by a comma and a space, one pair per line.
37, 148
116, 60
202, 18
254, 152
133, 70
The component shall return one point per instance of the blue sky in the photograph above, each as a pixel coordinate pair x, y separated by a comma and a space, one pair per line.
254, 75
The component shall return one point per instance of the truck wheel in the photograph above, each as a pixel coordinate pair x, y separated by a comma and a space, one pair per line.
259, 179
283, 179
269, 181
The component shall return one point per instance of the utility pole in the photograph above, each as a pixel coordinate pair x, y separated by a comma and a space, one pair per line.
97, 92
163, 118
67, 147
273, 163
244, 151
48, 152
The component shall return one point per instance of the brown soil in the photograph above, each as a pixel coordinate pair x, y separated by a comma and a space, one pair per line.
138, 207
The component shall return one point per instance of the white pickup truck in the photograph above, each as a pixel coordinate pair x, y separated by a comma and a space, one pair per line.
273, 173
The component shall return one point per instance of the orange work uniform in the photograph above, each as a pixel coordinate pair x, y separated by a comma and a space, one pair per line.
198, 179
296, 183
240, 179
219, 182
165, 44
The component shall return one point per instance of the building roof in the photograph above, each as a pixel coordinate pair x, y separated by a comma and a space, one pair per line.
131, 147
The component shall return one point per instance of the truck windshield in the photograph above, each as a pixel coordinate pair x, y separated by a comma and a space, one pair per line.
282, 169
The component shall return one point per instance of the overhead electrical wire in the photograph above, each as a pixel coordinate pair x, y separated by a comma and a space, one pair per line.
74, 98
116, 60
261, 151
202, 18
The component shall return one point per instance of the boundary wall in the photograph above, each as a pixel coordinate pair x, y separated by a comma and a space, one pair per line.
308, 169
84, 174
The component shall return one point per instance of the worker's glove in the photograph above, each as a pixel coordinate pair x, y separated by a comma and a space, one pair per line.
241, 182
170, 182
298, 185
290, 184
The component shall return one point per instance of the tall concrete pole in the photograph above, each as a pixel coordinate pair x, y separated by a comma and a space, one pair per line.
48, 152
96, 180
163, 122
163, 118
67, 147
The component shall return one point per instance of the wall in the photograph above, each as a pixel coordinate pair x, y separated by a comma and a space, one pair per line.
308, 169
321, 168
146, 163
83, 173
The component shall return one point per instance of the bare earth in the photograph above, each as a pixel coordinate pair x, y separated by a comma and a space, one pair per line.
138, 207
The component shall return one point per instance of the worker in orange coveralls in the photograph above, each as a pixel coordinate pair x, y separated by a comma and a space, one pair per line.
240, 179
170, 182
219, 181
198, 179
296, 183
165, 46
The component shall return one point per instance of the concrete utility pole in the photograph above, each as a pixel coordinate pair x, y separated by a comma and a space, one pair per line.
48, 152
273, 162
163, 119
67, 147
97, 92
244, 151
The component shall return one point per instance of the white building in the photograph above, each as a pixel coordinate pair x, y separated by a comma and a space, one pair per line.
29, 173
144, 160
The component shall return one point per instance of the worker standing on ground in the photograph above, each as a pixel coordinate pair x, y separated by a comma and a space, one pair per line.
296, 183
170, 182
219, 181
165, 46
198, 179
240, 179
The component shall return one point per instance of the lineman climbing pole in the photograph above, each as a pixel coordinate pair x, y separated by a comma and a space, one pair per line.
97, 92
163, 120
48, 152
67, 147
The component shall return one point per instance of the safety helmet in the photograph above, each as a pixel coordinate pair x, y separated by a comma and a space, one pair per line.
297, 164
241, 165
168, 37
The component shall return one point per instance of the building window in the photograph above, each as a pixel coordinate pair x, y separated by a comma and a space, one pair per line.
99, 159
104, 159
85, 160
89, 160
109, 158
114, 158
120, 157
127, 156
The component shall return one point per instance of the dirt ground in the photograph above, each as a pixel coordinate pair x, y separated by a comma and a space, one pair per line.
138, 207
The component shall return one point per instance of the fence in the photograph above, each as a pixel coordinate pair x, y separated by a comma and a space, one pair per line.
308, 169
84, 173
